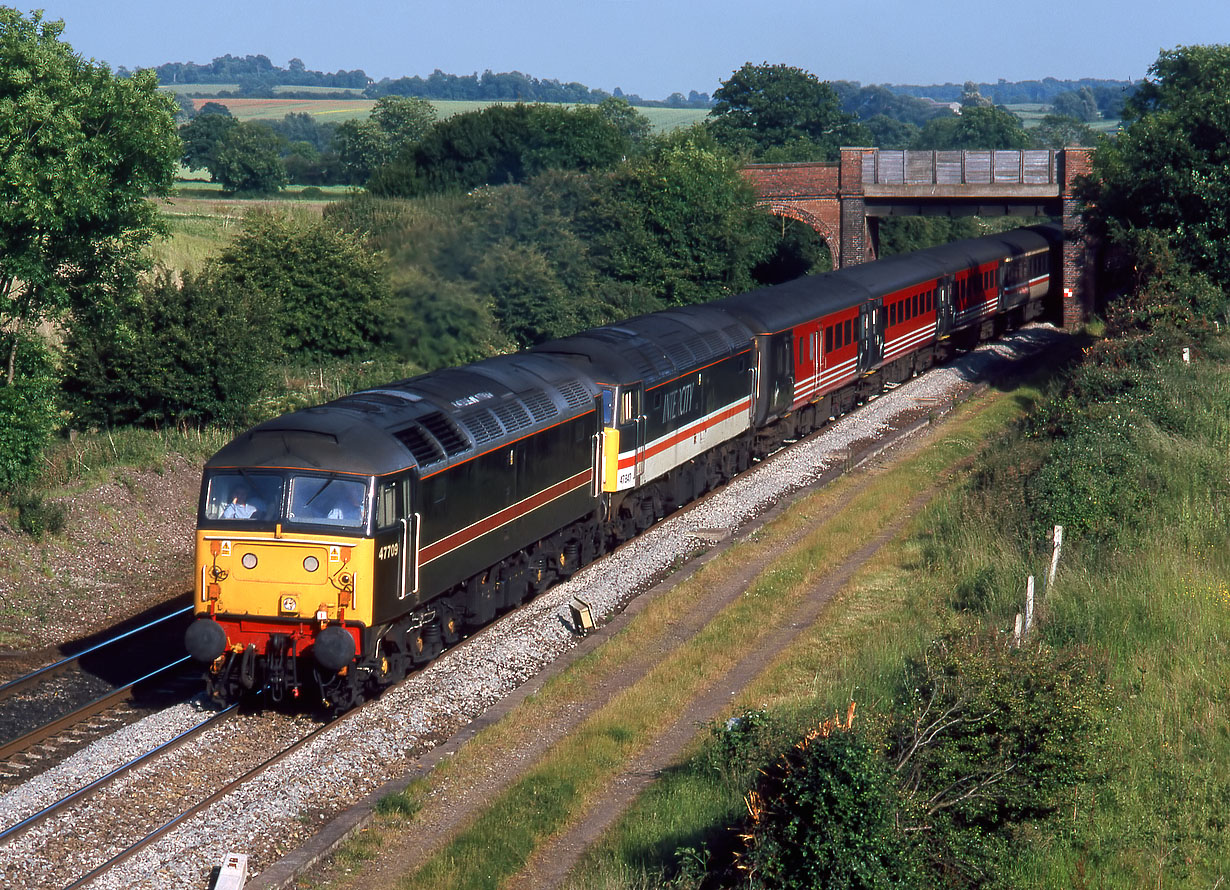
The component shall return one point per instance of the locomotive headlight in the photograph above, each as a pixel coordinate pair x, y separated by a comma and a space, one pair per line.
311, 564
289, 604
249, 560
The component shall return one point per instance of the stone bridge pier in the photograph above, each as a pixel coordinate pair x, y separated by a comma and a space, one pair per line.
844, 201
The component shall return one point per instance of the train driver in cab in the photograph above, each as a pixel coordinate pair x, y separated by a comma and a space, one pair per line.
238, 507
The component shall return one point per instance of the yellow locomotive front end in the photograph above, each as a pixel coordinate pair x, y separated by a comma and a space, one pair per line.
283, 580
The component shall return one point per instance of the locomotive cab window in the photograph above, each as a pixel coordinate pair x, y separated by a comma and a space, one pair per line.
327, 500
241, 496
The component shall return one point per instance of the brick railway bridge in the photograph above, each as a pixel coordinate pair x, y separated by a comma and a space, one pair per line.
844, 201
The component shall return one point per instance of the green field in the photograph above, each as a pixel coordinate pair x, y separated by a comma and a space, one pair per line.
662, 119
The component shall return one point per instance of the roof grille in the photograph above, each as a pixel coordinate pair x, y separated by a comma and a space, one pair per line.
716, 343
680, 354
512, 416
540, 405
481, 424
445, 432
576, 395
425, 449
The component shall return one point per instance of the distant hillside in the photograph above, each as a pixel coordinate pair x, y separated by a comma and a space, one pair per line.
1020, 92
256, 77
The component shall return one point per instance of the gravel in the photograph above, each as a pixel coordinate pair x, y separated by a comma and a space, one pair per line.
270, 815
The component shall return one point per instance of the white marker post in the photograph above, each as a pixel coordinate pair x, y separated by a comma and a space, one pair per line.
234, 872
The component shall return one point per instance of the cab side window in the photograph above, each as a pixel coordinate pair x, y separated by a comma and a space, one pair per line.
387, 507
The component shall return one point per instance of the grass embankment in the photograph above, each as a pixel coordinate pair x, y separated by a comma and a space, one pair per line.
871, 622
1134, 460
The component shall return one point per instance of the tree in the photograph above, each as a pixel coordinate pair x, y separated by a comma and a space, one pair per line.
1079, 104
28, 413
972, 98
197, 349
395, 125
627, 120
975, 127
330, 291
679, 222
81, 151
502, 144
1058, 131
1168, 169
765, 107
202, 136
886, 132
248, 159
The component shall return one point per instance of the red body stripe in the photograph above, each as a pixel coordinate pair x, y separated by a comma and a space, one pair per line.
672, 441
489, 523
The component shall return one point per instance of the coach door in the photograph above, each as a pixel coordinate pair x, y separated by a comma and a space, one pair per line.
632, 418
871, 345
943, 307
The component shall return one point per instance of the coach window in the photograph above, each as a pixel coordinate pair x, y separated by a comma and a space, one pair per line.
828, 339
848, 334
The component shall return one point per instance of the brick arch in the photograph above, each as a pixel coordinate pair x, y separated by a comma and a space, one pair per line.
792, 210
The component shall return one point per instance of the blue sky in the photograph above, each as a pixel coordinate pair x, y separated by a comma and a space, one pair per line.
654, 47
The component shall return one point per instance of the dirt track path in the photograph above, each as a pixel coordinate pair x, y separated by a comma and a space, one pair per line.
449, 810
551, 864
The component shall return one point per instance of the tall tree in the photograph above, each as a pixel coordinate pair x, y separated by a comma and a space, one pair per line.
248, 159
202, 136
770, 109
502, 144
395, 125
679, 222
81, 150
1169, 170
975, 127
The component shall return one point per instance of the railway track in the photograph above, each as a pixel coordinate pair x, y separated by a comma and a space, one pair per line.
50, 713
146, 769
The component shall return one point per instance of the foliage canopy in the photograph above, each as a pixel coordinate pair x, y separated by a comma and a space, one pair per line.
1168, 170
781, 113
81, 150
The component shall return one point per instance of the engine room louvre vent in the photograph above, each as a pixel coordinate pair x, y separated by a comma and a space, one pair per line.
425, 449
481, 424
512, 416
715, 343
680, 355
734, 333
576, 395
445, 432
540, 405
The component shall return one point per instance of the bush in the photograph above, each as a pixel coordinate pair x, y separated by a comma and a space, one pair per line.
28, 414
328, 290
987, 739
35, 516
824, 815
190, 352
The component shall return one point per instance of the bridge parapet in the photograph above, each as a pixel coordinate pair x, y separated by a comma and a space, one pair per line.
1035, 169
